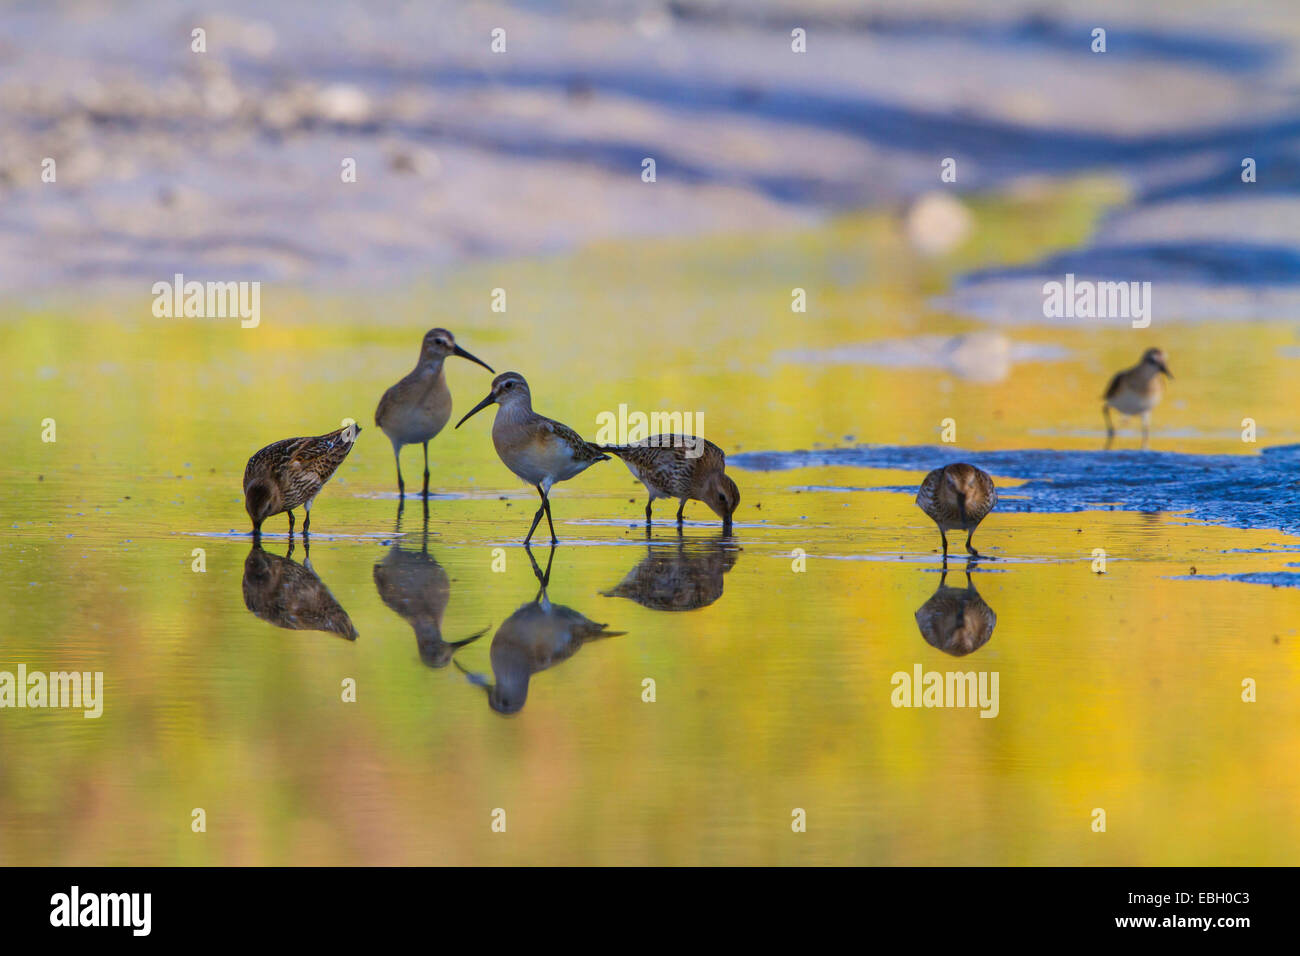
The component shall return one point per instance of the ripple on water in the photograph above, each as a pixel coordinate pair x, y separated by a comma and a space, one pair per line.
1237, 491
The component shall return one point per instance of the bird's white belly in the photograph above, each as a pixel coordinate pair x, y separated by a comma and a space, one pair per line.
414, 425
543, 462
1133, 403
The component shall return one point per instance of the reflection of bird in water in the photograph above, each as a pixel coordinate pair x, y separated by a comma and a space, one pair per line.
414, 584
956, 620
290, 595
680, 576
537, 636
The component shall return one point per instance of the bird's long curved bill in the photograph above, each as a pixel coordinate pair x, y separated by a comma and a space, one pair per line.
1165, 368
473, 358
475, 410
469, 640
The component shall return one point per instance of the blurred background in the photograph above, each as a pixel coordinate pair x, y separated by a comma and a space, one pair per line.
229, 161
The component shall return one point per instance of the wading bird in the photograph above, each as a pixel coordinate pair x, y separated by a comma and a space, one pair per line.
1135, 391
289, 473
415, 409
957, 497
682, 467
537, 449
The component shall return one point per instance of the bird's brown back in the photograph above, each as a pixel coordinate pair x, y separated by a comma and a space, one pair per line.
299, 467
663, 461
937, 498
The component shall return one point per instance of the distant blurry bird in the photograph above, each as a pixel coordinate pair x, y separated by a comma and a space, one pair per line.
537, 636
287, 594
682, 467
957, 497
414, 584
289, 473
956, 620
537, 449
1135, 391
679, 576
415, 409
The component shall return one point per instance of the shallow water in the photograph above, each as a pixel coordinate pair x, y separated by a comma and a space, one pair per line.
772, 652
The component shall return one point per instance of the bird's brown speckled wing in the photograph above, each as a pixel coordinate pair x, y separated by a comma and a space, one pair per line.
927, 494
583, 450
311, 461
662, 460
990, 495
1113, 387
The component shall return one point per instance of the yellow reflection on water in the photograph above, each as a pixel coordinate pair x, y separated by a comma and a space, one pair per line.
772, 677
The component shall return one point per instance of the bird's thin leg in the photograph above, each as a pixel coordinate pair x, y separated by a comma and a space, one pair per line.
681, 506
426, 470
397, 457
943, 536
537, 517
969, 549
306, 521
1146, 427
546, 503
648, 503
291, 525
1110, 425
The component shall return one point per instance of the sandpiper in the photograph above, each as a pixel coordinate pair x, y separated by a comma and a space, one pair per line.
536, 449
289, 473
1135, 391
415, 409
682, 467
957, 497
956, 620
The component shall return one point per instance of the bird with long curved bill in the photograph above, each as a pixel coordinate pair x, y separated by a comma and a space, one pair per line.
418, 407
537, 449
